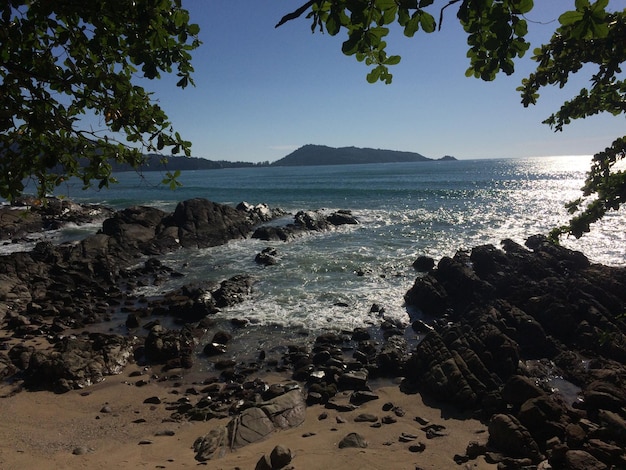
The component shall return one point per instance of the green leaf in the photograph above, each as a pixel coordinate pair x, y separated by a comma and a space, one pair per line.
570, 17
374, 74
412, 26
392, 60
427, 22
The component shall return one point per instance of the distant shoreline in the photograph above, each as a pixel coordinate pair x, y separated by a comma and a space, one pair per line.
308, 155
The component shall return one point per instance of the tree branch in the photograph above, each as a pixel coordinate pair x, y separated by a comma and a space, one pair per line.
297, 13
451, 2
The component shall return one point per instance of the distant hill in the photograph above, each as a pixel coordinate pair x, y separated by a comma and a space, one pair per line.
153, 163
309, 155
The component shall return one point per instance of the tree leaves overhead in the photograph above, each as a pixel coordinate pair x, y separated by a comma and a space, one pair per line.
496, 29
590, 37
62, 61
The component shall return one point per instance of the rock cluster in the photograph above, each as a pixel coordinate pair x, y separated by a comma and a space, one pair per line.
504, 321
495, 326
305, 221
55, 288
28, 215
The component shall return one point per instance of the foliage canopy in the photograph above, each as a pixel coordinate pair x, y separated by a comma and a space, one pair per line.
65, 61
590, 35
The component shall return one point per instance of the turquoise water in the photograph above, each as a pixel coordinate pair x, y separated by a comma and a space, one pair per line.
404, 209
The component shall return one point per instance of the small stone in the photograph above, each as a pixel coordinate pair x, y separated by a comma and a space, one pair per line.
145, 442
152, 401
422, 421
82, 450
406, 437
388, 419
106, 409
353, 440
280, 456
165, 432
322, 416
420, 447
362, 396
388, 406
366, 418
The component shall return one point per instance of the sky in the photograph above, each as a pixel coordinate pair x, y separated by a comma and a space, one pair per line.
262, 92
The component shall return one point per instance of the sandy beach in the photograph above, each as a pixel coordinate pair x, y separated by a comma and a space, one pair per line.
108, 425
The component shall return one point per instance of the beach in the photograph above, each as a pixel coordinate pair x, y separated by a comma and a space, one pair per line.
108, 425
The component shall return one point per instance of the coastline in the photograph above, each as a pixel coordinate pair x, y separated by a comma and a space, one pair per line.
501, 321
43, 430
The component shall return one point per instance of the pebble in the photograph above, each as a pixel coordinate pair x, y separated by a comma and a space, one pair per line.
153, 400
82, 450
366, 418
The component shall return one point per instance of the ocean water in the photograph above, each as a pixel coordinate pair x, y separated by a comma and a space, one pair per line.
332, 279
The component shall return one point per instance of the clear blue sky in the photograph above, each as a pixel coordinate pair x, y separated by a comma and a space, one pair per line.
262, 92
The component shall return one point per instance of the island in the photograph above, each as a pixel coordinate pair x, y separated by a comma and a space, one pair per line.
307, 155
310, 154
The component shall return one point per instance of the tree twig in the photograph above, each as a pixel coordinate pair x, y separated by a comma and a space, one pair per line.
295, 14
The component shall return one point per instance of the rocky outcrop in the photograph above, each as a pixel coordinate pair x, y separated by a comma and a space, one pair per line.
305, 221
28, 215
253, 424
74, 362
56, 287
495, 312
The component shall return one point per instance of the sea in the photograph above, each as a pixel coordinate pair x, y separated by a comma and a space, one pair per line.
331, 280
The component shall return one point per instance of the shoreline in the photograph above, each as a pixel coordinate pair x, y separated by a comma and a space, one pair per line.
71, 431
500, 321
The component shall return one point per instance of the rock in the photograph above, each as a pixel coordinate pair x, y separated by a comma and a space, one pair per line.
203, 223
250, 426
267, 257
233, 291
280, 456
362, 396
81, 450
167, 346
392, 357
214, 349
424, 264
78, 362
366, 418
253, 424
353, 440
263, 463
342, 217
154, 400
581, 460
603, 395
354, 380
212, 445
519, 389
509, 436
428, 295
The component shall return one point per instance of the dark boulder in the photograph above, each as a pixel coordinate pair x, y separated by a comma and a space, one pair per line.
267, 257
202, 223
424, 264
509, 436
174, 348
78, 362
